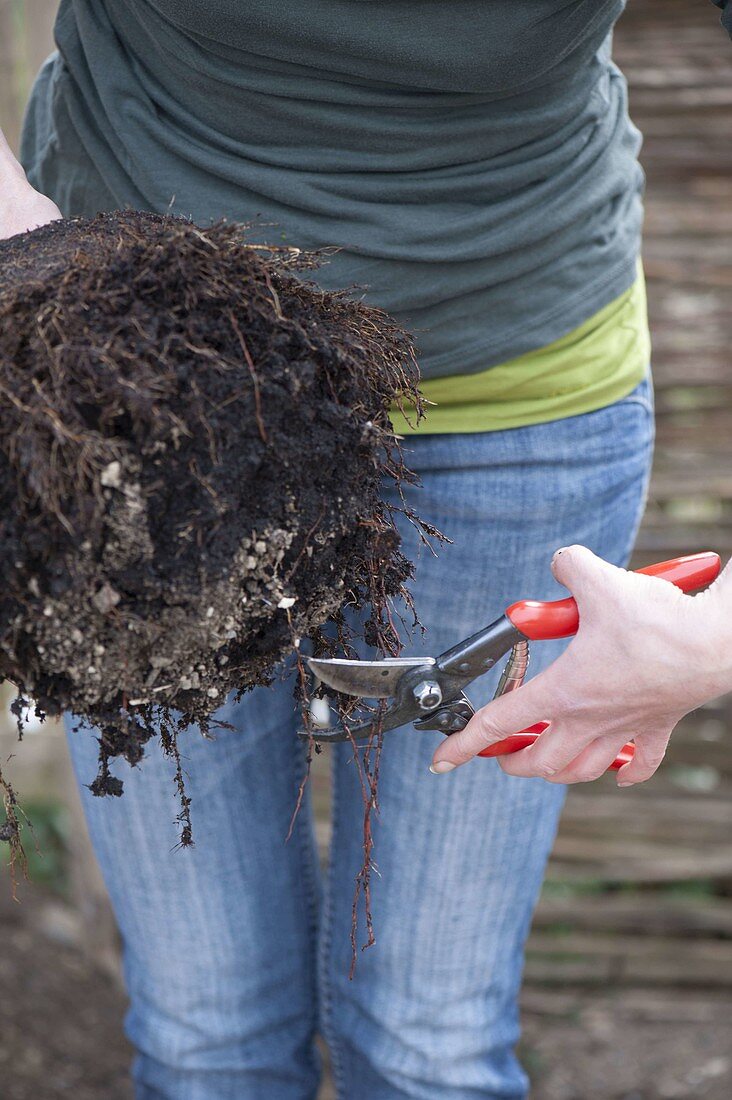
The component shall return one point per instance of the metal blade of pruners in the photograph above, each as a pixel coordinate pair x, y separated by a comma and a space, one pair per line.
368, 680
426, 691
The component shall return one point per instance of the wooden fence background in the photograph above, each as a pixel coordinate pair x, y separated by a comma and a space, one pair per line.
639, 892
25, 40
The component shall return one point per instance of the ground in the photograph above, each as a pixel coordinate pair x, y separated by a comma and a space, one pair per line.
60, 1017
61, 1029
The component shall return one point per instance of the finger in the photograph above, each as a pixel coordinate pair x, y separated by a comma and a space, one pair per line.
550, 754
504, 716
579, 570
650, 749
593, 761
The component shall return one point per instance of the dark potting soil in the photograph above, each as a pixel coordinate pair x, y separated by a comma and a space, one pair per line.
192, 442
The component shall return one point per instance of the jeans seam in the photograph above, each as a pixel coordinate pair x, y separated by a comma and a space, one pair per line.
326, 930
635, 398
641, 401
648, 405
303, 834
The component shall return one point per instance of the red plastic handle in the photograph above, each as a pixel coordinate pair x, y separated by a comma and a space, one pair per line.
527, 737
540, 621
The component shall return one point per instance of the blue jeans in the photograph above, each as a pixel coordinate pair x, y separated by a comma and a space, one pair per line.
236, 952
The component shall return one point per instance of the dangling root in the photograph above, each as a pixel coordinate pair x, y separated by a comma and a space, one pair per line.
367, 763
10, 832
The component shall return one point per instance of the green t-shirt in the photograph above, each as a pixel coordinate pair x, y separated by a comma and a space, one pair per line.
472, 160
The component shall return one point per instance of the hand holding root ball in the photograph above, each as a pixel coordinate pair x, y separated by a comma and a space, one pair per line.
22, 208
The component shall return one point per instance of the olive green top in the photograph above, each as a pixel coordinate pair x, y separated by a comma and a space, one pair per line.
596, 364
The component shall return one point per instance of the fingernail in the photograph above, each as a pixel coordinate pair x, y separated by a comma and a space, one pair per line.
441, 767
625, 783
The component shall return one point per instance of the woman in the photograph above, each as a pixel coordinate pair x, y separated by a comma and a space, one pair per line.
476, 166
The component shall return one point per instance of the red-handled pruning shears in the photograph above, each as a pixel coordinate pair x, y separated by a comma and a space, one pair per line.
428, 691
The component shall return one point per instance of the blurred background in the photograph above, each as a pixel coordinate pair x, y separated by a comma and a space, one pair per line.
628, 990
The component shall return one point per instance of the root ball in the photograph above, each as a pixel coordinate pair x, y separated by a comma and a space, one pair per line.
192, 442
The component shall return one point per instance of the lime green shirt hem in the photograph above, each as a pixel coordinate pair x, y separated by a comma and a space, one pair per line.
596, 364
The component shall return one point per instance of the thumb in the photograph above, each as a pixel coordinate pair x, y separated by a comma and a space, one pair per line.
579, 570
504, 716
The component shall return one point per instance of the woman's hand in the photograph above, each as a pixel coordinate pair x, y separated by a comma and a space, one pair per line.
21, 207
28, 209
644, 656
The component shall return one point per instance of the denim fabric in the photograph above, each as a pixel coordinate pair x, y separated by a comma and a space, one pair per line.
236, 953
